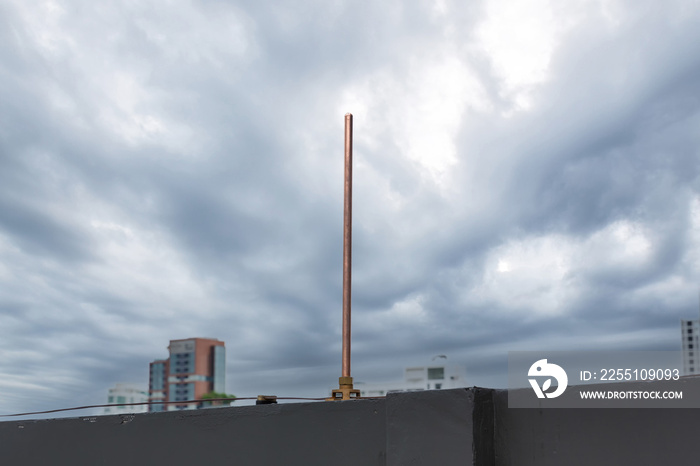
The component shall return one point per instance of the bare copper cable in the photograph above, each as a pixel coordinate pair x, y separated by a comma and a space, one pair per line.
111, 405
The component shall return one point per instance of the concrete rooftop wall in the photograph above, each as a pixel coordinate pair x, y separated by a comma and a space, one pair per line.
399, 430
431, 428
544, 437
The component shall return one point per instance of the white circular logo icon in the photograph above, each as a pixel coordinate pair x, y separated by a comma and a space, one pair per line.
544, 369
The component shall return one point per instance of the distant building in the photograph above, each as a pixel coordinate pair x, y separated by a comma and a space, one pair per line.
126, 393
196, 366
158, 384
430, 377
690, 331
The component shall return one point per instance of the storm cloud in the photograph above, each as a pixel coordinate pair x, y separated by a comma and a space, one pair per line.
527, 176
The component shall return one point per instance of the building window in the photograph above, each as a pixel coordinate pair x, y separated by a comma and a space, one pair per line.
690, 330
436, 373
690, 338
690, 346
690, 353
692, 370
691, 361
438, 386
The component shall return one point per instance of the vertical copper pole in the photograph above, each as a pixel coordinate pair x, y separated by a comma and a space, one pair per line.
347, 246
345, 390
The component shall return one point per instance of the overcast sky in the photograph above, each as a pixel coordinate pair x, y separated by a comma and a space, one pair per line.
527, 177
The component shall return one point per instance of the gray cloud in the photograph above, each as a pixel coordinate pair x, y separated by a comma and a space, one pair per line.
178, 173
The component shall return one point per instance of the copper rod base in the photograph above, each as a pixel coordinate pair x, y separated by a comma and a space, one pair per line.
345, 391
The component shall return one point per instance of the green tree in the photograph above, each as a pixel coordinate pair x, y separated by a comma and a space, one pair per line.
215, 397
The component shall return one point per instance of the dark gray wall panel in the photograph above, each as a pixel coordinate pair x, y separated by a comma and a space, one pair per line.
544, 437
430, 428
333, 433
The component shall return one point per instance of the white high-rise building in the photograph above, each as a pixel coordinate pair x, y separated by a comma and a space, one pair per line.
690, 331
429, 377
126, 393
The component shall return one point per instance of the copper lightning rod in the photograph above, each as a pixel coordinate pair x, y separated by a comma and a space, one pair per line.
347, 246
345, 390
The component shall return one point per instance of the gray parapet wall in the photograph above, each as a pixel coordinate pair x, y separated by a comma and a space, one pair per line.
589, 436
430, 428
403, 429
284, 434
